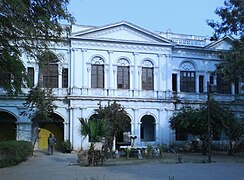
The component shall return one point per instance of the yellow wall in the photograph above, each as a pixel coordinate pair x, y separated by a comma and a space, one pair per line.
54, 128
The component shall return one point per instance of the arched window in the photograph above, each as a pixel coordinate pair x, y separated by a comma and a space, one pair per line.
187, 77
123, 74
97, 73
48, 73
147, 75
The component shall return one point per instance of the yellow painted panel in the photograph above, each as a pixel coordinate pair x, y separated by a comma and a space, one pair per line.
42, 138
54, 128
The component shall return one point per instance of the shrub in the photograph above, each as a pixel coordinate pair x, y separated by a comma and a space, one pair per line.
149, 150
14, 152
67, 147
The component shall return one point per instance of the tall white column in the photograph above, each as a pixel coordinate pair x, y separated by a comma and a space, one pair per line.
73, 68
66, 126
76, 128
135, 86
159, 130
110, 77
178, 81
163, 72
60, 82
160, 71
197, 83
168, 73
156, 79
136, 129
168, 135
232, 88
84, 69
88, 72
71, 132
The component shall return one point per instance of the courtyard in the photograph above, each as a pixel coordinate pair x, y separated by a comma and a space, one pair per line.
64, 166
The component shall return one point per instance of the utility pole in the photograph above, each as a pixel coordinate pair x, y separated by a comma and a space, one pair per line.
209, 124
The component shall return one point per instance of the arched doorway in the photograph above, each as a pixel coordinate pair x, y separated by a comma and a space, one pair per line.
123, 138
7, 126
55, 127
147, 128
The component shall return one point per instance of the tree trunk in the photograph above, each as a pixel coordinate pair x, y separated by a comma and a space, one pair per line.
230, 151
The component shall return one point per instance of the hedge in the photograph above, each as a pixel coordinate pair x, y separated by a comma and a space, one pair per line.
14, 152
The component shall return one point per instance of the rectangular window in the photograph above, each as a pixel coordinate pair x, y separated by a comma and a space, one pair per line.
49, 75
30, 74
147, 78
97, 76
187, 81
201, 80
123, 77
65, 78
174, 82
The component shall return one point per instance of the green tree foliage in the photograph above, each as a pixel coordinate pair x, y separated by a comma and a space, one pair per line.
95, 129
232, 23
28, 26
39, 104
195, 122
117, 119
234, 130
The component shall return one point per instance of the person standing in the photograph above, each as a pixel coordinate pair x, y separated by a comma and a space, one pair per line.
51, 143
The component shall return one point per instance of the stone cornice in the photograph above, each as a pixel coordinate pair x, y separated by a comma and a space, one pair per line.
121, 46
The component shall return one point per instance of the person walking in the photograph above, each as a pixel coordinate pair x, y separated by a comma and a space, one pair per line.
51, 143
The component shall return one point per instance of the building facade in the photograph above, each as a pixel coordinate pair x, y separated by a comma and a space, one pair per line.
151, 74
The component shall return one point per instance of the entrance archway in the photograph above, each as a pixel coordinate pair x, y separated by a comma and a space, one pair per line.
123, 138
55, 127
148, 128
7, 126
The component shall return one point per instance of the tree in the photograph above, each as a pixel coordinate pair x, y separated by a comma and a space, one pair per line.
40, 105
234, 131
30, 27
117, 119
95, 129
232, 23
194, 121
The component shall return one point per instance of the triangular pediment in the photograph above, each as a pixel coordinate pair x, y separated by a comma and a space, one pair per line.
121, 32
222, 44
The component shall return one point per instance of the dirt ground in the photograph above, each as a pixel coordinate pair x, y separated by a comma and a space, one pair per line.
174, 158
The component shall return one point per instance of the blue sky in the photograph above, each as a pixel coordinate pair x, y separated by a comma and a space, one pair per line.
181, 16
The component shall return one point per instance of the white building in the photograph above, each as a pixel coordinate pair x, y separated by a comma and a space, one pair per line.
152, 74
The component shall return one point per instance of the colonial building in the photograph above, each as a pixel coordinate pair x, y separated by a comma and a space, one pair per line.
151, 74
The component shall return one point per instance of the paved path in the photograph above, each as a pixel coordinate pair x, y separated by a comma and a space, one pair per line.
57, 167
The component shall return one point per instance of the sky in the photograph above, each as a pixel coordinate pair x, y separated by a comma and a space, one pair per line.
180, 16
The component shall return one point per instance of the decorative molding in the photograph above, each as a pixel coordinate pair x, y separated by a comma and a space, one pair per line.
61, 57
97, 60
187, 53
117, 29
83, 50
132, 47
187, 66
110, 52
147, 63
123, 62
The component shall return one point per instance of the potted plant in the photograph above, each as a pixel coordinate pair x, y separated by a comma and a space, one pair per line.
95, 129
